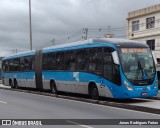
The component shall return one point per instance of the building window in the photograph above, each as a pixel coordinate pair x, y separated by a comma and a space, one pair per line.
151, 44
150, 22
135, 25
158, 60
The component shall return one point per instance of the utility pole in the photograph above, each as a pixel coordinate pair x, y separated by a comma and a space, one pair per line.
53, 41
109, 35
109, 29
30, 24
86, 33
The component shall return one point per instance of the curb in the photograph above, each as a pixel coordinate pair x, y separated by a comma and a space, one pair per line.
105, 103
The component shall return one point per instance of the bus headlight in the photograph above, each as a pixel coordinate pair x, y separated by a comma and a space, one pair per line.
155, 84
128, 86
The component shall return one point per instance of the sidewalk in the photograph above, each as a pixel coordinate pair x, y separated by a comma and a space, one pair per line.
2, 86
158, 94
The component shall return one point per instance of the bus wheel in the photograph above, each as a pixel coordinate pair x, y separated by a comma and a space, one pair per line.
11, 84
93, 91
53, 87
15, 84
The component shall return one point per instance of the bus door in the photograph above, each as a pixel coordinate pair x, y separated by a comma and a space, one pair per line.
21, 80
29, 73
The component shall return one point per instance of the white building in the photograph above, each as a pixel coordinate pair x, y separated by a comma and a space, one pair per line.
144, 25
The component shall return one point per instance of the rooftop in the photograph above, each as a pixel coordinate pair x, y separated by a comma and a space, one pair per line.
144, 11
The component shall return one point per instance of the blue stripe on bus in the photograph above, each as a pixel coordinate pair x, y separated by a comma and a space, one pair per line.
69, 76
86, 78
19, 75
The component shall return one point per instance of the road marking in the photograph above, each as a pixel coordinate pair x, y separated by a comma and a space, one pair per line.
3, 102
72, 122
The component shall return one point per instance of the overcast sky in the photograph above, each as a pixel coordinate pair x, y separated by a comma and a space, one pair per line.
62, 20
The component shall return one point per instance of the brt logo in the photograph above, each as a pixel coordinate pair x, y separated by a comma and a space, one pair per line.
102, 85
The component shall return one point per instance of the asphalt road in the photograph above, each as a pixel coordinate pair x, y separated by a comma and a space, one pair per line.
20, 105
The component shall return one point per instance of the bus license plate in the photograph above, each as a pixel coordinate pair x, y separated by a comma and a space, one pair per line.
144, 93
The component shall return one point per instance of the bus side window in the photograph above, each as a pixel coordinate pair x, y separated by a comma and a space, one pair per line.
5, 65
60, 61
32, 63
16, 64
45, 60
22, 63
70, 60
51, 61
28, 63
11, 65
95, 60
82, 60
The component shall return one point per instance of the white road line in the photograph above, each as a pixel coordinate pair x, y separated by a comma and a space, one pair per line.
85, 126
3, 102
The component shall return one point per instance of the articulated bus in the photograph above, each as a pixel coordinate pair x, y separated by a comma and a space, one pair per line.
115, 68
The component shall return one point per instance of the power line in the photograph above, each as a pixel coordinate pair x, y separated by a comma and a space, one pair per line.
86, 33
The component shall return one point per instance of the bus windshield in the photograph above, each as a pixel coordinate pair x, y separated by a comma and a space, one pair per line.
137, 63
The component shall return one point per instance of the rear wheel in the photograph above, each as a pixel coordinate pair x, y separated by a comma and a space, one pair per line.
11, 84
93, 91
53, 87
15, 84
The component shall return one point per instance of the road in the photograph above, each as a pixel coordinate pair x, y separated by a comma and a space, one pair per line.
20, 105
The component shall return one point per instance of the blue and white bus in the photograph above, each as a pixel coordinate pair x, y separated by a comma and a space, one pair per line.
115, 68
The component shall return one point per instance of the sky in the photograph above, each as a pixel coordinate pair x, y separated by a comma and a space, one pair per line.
61, 21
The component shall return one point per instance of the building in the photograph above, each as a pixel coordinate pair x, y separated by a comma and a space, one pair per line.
144, 25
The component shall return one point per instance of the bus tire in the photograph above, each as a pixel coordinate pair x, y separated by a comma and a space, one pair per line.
53, 87
11, 83
15, 84
93, 91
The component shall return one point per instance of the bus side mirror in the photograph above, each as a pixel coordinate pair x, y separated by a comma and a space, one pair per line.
115, 57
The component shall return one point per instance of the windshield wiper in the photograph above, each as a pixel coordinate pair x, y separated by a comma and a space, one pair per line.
144, 74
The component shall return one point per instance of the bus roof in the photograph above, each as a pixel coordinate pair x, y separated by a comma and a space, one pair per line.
124, 43
112, 42
27, 53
